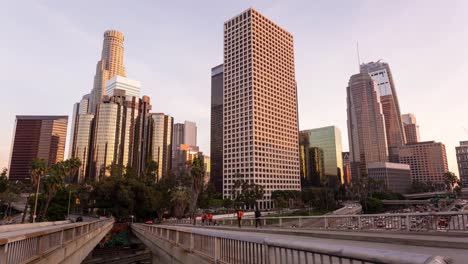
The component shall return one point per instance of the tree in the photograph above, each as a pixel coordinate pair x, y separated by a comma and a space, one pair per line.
53, 183
247, 193
3, 180
197, 171
180, 200
151, 171
8, 197
450, 180
38, 170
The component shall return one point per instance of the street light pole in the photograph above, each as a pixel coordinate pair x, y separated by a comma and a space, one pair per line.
37, 196
69, 198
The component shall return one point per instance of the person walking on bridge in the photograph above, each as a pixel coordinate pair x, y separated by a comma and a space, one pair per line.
239, 217
258, 214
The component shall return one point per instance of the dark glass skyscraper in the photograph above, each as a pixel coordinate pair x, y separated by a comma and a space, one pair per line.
216, 146
36, 137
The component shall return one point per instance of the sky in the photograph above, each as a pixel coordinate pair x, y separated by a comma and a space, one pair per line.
49, 51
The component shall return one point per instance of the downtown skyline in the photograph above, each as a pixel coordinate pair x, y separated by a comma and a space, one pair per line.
321, 80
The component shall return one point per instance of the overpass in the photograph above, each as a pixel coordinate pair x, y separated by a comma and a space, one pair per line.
183, 244
51, 242
464, 193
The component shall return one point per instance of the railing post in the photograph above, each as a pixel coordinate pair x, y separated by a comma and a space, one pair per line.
177, 238
326, 222
280, 222
359, 223
3, 253
300, 222
408, 223
264, 222
192, 242
217, 249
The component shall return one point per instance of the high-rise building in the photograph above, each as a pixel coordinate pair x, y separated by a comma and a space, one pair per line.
190, 133
114, 134
462, 160
34, 137
184, 155
346, 168
427, 160
83, 143
178, 135
78, 109
162, 143
411, 128
312, 169
131, 87
395, 176
366, 127
260, 123
328, 139
216, 132
207, 164
143, 133
111, 64
381, 74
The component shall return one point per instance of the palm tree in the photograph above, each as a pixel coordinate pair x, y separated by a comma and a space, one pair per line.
38, 170
53, 183
197, 172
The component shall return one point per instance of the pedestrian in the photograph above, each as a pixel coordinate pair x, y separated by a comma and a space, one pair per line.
210, 219
258, 214
203, 218
239, 217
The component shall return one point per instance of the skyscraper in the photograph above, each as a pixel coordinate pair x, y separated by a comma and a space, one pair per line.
312, 169
381, 74
114, 134
427, 160
83, 143
366, 127
111, 64
190, 133
131, 87
178, 135
260, 123
328, 139
216, 131
162, 143
78, 109
346, 168
462, 160
40, 137
411, 128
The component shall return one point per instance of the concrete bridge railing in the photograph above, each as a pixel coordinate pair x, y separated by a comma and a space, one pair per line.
67, 243
198, 245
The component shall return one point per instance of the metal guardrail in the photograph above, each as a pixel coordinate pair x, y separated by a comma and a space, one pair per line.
239, 247
24, 247
440, 221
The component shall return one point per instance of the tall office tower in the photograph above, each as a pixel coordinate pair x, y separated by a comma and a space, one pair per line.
184, 155
111, 64
131, 87
216, 132
113, 135
329, 140
260, 123
82, 145
311, 160
381, 74
366, 127
190, 133
411, 128
462, 160
78, 109
143, 133
40, 137
427, 160
161, 151
346, 168
178, 135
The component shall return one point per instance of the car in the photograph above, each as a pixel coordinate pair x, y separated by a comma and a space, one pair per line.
454, 209
149, 222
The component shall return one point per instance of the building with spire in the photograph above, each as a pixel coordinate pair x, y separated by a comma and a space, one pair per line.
411, 128
380, 72
366, 126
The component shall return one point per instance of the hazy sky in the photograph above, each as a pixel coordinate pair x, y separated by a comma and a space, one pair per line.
49, 51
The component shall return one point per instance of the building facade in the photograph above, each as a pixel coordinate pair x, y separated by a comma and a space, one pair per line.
328, 139
184, 155
162, 143
462, 161
381, 74
178, 135
260, 123
312, 169
190, 133
111, 64
395, 176
41, 137
427, 160
83, 143
411, 128
131, 87
216, 131
79, 108
366, 126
